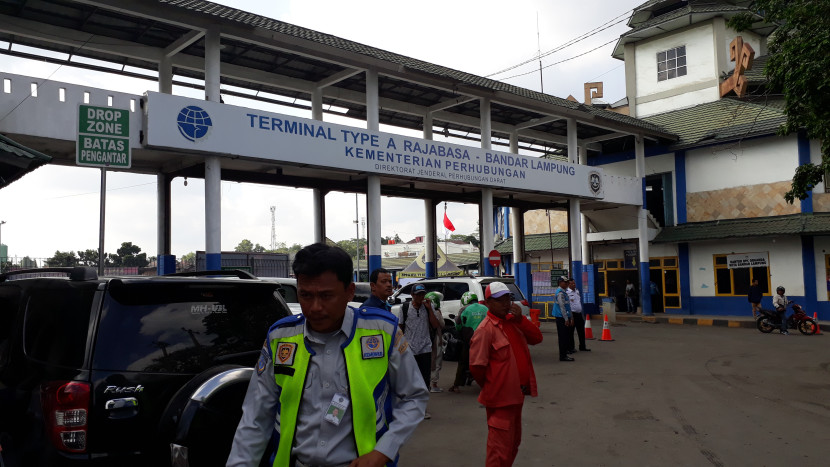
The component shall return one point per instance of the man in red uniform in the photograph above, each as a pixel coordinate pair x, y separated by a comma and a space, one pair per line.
500, 363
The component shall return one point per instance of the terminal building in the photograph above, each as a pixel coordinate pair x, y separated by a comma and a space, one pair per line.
680, 183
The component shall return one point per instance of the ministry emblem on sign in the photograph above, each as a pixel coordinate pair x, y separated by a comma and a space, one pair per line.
595, 182
194, 123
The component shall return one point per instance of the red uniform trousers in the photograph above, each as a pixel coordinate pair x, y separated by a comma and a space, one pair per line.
504, 434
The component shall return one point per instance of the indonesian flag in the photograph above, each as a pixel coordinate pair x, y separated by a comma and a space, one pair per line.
447, 224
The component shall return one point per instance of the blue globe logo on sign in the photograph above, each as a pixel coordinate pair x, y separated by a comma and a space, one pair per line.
194, 122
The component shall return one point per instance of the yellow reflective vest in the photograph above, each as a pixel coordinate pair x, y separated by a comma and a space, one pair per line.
366, 355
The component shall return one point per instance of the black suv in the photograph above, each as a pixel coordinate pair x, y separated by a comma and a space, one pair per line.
115, 371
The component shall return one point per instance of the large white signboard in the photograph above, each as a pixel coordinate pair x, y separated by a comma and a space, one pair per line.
182, 123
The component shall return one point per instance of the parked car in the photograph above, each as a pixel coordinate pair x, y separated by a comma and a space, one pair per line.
127, 371
452, 288
362, 292
288, 290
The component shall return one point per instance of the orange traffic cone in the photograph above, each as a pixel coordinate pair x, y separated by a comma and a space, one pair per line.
606, 331
815, 319
589, 332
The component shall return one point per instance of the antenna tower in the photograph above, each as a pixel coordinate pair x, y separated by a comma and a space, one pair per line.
273, 228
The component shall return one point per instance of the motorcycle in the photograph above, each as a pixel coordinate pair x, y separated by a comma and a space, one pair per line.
769, 320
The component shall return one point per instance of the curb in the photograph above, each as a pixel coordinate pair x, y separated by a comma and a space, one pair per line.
680, 320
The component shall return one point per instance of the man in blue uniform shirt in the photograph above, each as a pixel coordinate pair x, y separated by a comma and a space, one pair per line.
330, 360
380, 282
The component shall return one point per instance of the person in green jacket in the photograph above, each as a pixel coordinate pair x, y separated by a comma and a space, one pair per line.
466, 322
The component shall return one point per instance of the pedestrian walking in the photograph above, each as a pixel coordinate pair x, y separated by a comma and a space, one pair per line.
754, 297
630, 297
332, 386
417, 319
466, 322
575, 300
564, 320
437, 341
500, 363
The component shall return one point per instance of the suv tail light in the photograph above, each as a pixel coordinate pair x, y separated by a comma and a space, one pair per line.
65, 409
524, 302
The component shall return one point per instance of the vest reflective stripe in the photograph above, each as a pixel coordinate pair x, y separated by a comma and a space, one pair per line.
366, 376
291, 393
368, 386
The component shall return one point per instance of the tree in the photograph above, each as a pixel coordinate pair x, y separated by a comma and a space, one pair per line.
88, 257
353, 246
188, 260
130, 255
62, 259
798, 66
245, 246
469, 238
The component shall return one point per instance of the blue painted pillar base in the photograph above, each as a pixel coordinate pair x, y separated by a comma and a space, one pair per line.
488, 268
213, 261
576, 273
808, 260
165, 264
374, 263
430, 269
524, 279
645, 289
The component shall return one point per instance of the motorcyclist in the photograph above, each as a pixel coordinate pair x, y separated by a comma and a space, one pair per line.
779, 302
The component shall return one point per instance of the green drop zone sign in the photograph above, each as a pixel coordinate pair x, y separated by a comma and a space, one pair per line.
103, 137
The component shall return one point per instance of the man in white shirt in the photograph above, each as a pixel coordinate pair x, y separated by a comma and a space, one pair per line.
579, 322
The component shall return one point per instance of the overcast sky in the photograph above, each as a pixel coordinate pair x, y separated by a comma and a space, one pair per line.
57, 208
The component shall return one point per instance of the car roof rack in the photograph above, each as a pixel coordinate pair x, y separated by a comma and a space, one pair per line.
238, 273
77, 273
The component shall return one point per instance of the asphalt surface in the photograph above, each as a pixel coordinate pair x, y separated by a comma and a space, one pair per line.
659, 394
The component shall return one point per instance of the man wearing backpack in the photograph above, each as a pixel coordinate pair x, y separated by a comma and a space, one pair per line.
417, 317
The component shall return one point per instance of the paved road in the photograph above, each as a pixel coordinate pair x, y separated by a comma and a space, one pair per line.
659, 395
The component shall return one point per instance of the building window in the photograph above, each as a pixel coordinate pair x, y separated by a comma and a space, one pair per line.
736, 281
666, 277
671, 63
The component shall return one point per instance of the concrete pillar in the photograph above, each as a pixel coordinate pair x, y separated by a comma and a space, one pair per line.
373, 189
165, 262
317, 104
486, 222
319, 196
213, 164
431, 254
166, 75
319, 208
373, 227
583, 159
487, 242
642, 227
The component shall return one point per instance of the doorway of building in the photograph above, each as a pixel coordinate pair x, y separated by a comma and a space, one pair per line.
659, 201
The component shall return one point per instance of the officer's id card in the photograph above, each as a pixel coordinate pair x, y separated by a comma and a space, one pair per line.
337, 409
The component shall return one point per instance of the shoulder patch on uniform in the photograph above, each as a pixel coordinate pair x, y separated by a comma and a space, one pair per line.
285, 353
372, 346
403, 344
264, 358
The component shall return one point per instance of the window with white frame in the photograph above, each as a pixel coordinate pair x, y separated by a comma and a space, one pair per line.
671, 63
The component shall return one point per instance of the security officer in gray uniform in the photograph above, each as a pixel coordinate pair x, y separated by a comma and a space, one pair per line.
333, 386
